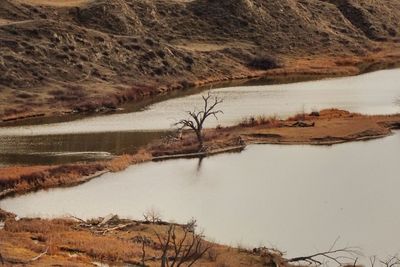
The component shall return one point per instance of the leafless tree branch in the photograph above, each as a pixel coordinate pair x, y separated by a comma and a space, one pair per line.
338, 256
196, 119
187, 249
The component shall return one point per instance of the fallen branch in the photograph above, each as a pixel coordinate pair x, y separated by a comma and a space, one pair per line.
24, 262
39, 256
119, 227
336, 255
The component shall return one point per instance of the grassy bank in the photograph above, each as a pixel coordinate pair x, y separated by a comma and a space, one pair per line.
111, 240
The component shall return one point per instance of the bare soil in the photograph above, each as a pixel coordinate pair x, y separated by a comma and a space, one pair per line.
59, 57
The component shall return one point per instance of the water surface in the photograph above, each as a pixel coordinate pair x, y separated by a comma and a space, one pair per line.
296, 198
66, 148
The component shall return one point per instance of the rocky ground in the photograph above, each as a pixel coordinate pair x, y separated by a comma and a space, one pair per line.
71, 56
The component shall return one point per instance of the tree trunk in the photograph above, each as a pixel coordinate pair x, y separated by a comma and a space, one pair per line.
199, 139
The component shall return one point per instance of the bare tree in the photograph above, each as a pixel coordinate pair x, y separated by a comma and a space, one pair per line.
196, 118
186, 250
390, 262
152, 215
339, 256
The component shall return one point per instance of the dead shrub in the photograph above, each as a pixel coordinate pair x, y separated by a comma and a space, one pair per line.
264, 62
260, 120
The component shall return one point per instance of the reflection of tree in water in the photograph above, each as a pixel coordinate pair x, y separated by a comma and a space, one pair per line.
199, 162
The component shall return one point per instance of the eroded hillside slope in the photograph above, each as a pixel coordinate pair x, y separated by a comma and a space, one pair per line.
60, 56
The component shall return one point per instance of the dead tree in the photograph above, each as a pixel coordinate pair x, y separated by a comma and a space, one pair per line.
338, 256
393, 261
196, 118
185, 250
152, 215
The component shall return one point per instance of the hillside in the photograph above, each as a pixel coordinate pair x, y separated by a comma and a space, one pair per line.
80, 55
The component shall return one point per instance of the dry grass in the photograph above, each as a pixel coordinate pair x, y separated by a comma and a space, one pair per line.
23, 179
22, 240
323, 114
260, 120
122, 162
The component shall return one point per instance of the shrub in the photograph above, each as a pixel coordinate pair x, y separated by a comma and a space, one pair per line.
264, 62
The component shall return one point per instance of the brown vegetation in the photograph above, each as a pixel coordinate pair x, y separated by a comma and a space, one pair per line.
119, 241
59, 57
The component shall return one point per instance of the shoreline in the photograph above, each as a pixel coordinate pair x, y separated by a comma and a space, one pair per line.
116, 241
294, 69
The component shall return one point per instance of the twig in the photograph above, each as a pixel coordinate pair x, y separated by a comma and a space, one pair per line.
39, 256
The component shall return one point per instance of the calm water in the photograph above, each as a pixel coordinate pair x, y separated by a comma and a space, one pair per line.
57, 149
296, 198
103, 136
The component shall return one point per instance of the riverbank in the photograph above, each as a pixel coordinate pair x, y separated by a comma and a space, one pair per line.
327, 127
293, 69
116, 241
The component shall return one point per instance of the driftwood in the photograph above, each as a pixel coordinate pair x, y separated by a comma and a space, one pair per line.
338, 256
106, 219
119, 227
303, 124
3, 260
40, 255
201, 154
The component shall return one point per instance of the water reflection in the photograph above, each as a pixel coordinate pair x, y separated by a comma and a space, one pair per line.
57, 149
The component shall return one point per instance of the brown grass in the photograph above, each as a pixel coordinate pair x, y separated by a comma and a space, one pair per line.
22, 240
23, 179
260, 120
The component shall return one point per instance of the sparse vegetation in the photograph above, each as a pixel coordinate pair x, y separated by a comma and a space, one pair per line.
119, 241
